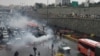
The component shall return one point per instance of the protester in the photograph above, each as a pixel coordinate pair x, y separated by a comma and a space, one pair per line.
38, 53
52, 46
30, 55
35, 49
16, 54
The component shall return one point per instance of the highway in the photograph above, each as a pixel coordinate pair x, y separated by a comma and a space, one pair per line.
44, 49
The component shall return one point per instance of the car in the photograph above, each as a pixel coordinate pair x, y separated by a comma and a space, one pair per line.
64, 48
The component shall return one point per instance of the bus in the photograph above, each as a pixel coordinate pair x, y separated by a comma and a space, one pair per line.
89, 47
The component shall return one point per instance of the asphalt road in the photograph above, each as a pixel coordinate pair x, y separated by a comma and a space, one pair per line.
44, 49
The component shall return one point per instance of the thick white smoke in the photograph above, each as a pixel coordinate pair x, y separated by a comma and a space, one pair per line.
24, 37
18, 21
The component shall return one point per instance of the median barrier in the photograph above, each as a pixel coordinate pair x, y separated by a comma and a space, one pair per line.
70, 38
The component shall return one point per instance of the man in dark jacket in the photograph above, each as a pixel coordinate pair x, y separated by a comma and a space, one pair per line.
16, 54
38, 53
30, 55
35, 49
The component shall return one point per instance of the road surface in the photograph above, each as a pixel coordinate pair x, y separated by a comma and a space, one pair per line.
44, 49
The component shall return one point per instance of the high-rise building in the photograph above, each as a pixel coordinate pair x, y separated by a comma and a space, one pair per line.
86, 4
62, 2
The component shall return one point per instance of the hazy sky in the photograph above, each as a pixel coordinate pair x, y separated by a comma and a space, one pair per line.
31, 2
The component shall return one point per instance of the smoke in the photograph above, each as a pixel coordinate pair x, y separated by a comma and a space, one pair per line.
18, 21
22, 37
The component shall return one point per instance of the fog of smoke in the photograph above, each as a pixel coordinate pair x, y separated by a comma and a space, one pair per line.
26, 38
18, 21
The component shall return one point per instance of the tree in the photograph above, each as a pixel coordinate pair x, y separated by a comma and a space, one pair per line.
39, 5
51, 5
59, 5
81, 5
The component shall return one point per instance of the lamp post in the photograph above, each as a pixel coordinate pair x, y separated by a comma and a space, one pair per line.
47, 11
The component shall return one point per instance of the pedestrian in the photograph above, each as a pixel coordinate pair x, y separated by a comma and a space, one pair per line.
30, 55
16, 53
38, 53
35, 49
60, 35
52, 46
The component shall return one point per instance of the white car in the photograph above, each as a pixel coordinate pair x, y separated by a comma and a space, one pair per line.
64, 48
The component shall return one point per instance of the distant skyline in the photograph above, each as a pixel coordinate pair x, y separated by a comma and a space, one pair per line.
32, 2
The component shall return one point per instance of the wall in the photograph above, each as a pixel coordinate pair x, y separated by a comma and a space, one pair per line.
83, 25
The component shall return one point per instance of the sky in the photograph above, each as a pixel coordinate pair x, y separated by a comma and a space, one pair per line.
32, 2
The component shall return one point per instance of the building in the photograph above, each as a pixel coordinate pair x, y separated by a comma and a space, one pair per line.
5, 12
86, 4
62, 2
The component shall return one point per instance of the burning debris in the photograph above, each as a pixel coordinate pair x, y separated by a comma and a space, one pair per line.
18, 32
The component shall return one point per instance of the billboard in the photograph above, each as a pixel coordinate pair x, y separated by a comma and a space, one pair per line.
74, 3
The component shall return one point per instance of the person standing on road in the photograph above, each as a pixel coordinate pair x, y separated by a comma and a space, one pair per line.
16, 53
52, 46
35, 49
38, 53
30, 55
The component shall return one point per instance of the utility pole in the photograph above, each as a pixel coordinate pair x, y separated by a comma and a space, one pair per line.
47, 12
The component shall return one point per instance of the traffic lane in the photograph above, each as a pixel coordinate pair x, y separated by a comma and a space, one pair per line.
44, 48
26, 51
72, 45
43, 51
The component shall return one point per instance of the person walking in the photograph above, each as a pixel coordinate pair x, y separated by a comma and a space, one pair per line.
38, 53
52, 46
16, 53
35, 49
